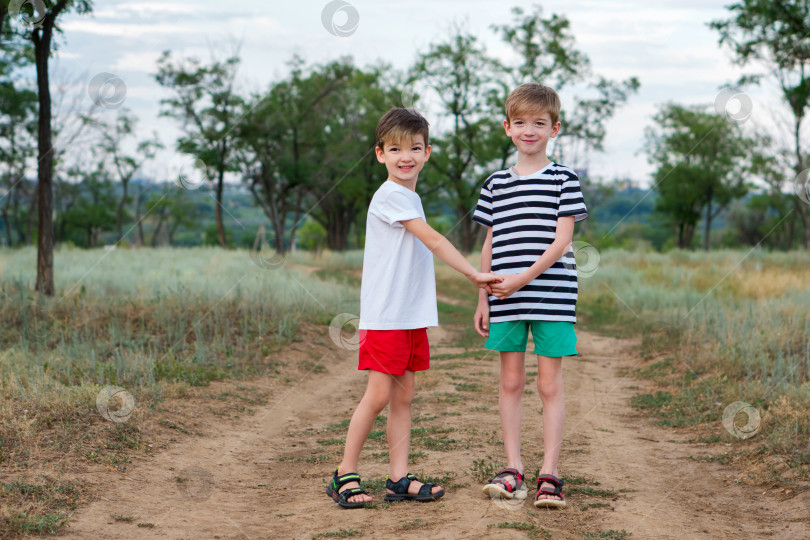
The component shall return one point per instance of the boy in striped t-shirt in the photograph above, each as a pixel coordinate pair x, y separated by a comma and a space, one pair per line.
529, 211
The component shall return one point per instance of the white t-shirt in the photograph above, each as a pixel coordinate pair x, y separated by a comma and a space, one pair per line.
398, 290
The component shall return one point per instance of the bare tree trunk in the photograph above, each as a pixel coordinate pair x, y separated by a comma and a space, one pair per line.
296, 218
139, 229
162, 214
120, 211
706, 244
220, 225
44, 281
8, 225
797, 128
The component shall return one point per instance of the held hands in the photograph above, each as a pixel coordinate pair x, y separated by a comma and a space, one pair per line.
485, 281
510, 284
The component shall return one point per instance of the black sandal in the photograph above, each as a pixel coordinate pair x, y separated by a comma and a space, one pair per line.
342, 497
400, 490
556, 491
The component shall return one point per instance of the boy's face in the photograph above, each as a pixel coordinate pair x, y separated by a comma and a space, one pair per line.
531, 131
404, 161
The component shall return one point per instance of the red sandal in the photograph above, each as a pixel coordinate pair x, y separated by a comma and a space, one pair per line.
499, 487
556, 491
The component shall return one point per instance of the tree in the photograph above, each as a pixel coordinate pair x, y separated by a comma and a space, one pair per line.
124, 165
773, 34
549, 55
172, 209
702, 161
90, 212
347, 168
39, 30
206, 103
461, 73
275, 151
42, 38
17, 138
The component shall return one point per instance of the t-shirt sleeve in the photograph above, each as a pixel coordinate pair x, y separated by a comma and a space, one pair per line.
572, 203
483, 210
397, 207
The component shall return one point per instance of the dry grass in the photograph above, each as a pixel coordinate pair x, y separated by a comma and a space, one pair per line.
717, 328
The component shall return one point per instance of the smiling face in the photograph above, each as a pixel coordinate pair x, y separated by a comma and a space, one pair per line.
404, 159
531, 131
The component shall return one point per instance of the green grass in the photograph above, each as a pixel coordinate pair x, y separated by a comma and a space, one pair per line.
609, 535
593, 492
482, 470
533, 530
715, 328
414, 524
468, 387
340, 533
48, 505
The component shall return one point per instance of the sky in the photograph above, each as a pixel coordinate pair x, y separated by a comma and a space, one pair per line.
666, 44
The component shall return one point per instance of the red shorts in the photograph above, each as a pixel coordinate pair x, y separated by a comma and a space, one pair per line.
394, 351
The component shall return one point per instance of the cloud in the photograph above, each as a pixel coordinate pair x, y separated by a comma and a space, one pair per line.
126, 30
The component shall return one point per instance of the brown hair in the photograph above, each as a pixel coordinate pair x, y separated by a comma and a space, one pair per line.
399, 125
533, 97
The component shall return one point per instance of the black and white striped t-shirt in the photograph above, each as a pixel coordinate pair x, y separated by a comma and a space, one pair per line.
523, 212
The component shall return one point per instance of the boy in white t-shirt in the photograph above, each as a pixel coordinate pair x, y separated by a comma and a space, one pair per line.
397, 305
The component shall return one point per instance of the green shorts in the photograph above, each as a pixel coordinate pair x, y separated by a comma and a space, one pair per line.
551, 338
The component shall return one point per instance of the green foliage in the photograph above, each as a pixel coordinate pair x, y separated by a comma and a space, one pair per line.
312, 236
701, 161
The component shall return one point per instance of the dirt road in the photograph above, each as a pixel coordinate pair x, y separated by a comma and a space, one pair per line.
263, 476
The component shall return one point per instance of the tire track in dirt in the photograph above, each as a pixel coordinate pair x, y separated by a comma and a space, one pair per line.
293, 444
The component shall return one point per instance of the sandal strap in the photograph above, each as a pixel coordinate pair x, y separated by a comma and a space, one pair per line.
400, 487
557, 492
340, 481
499, 479
351, 492
551, 479
426, 489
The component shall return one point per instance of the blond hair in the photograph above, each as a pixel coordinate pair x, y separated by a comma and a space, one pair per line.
533, 98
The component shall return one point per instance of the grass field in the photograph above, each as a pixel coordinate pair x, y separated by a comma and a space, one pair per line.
715, 329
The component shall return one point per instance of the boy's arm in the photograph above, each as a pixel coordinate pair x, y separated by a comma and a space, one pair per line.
481, 318
558, 248
486, 264
444, 250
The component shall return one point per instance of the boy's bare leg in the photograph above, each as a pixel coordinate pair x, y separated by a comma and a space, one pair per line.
373, 402
550, 388
399, 430
510, 395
